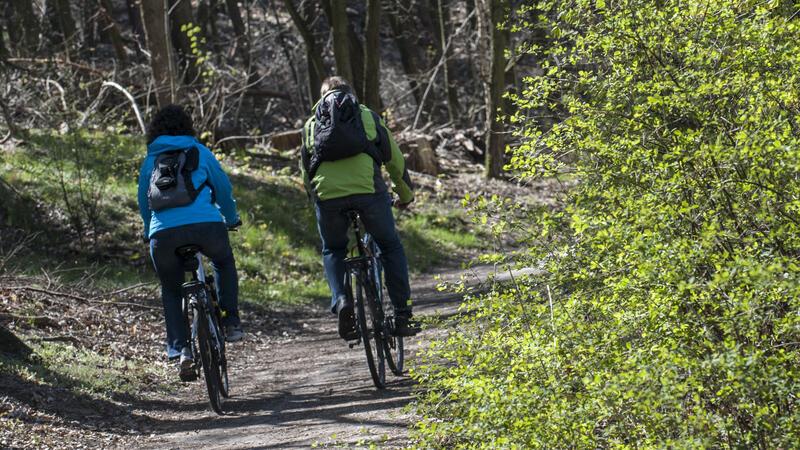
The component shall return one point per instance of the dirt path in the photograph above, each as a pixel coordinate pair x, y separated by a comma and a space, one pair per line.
302, 388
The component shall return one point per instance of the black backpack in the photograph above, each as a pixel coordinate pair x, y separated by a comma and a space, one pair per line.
171, 180
339, 132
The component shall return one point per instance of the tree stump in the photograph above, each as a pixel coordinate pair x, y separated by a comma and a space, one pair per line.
420, 156
287, 140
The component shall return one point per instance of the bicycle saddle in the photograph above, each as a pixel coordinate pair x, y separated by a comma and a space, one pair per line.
187, 255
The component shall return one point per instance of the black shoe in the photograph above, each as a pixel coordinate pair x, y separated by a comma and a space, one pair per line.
186, 370
347, 320
405, 326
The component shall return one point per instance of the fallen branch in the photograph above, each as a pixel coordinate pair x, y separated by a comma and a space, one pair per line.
56, 61
52, 293
120, 291
37, 321
130, 99
70, 339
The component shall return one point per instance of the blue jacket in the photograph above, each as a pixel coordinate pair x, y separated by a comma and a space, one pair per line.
202, 209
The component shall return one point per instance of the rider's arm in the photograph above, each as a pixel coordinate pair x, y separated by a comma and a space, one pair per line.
223, 191
144, 184
401, 182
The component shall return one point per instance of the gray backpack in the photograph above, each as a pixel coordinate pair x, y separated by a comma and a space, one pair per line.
171, 181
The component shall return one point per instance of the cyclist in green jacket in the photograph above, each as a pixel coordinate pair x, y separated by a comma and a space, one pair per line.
356, 182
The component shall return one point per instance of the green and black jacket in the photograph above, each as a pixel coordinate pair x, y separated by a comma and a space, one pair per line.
359, 174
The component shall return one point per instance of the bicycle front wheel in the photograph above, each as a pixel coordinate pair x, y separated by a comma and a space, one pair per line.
371, 335
210, 361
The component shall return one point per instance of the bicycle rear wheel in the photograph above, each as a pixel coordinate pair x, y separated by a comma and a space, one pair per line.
209, 359
219, 338
370, 334
222, 361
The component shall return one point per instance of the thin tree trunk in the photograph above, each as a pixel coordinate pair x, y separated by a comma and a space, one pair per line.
494, 129
154, 18
61, 19
3, 49
408, 53
356, 49
88, 24
207, 18
23, 10
112, 30
135, 20
316, 67
181, 18
13, 28
341, 44
242, 42
371, 95
443, 21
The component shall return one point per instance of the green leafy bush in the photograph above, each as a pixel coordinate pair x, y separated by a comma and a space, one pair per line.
667, 313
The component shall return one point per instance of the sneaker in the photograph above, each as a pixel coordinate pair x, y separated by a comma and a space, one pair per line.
347, 320
233, 333
405, 326
186, 370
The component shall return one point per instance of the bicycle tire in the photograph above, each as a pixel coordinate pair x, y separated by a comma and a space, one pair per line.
222, 361
209, 361
220, 340
395, 359
375, 359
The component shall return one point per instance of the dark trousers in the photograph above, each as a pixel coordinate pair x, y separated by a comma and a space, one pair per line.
376, 214
212, 237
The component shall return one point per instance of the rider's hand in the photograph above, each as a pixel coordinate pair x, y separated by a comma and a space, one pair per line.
403, 206
235, 226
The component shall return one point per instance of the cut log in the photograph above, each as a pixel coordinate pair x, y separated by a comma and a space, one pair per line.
420, 156
287, 140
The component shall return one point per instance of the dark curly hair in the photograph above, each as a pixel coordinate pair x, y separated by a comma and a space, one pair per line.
171, 120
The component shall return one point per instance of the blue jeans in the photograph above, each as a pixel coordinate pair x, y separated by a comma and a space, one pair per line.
376, 214
212, 237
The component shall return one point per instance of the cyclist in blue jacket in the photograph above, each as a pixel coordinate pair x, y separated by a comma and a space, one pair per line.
197, 211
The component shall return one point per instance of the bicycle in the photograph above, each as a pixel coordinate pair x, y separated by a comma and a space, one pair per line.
369, 300
207, 336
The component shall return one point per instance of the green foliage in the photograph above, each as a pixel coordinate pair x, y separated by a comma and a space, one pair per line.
667, 313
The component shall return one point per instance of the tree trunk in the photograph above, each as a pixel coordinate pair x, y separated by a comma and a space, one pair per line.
60, 16
372, 58
207, 18
356, 49
112, 30
23, 10
407, 49
443, 21
135, 20
154, 18
88, 24
181, 19
13, 28
496, 86
316, 67
242, 41
341, 44
3, 49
